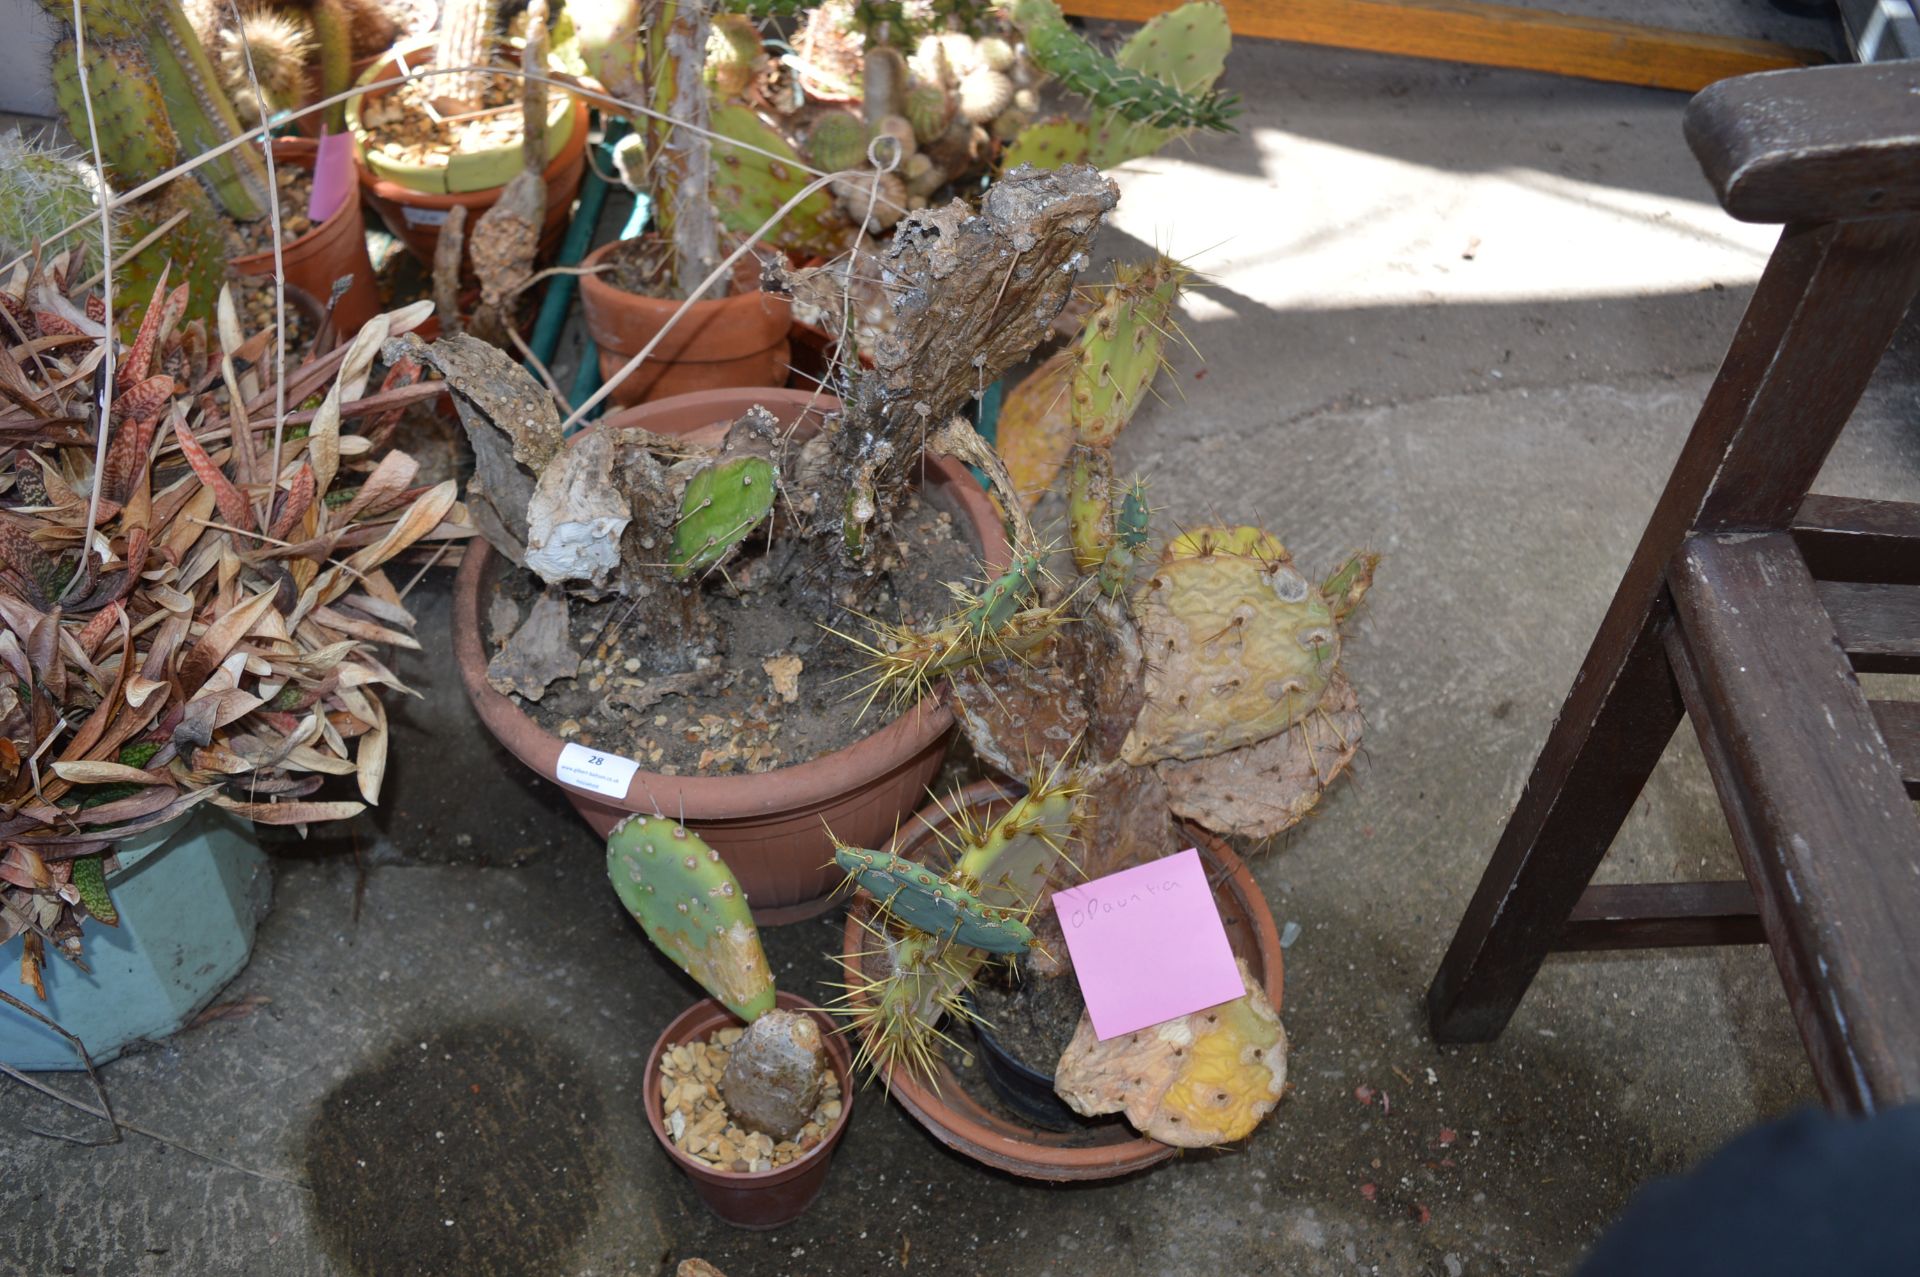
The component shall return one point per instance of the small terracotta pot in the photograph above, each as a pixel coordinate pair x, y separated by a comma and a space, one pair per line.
752, 1199
771, 827
336, 247
1103, 1148
738, 340
415, 216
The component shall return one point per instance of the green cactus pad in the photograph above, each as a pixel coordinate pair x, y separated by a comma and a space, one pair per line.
1061, 51
837, 141
692, 907
1129, 539
749, 187
721, 506
1120, 348
1005, 595
920, 898
1048, 144
1186, 48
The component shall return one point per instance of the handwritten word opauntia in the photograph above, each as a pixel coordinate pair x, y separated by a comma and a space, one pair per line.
1094, 907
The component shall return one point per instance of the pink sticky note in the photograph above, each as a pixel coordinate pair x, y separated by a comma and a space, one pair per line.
1148, 944
333, 175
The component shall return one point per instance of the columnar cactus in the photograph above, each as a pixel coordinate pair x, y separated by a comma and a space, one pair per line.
42, 192
468, 29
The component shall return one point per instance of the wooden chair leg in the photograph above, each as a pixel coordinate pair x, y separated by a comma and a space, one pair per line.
1622, 711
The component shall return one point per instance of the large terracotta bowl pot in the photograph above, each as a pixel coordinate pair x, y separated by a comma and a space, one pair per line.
771, 826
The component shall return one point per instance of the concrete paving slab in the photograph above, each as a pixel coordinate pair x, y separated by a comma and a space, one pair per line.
1464, 317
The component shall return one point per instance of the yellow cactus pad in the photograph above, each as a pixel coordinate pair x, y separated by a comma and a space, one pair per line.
1240, 646
1202, 1079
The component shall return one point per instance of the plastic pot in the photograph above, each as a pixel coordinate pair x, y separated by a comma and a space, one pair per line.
1098, 1148
734, 341
190, 895
336, 247
752, 1199
771, 827
413, 201
1025, 1089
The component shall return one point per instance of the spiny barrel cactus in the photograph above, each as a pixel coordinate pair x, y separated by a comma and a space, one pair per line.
42, 192
692, 907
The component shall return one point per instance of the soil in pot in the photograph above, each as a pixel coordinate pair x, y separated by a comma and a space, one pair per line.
296, 190
409, 125
700, 1126
784, 696
1032, 1017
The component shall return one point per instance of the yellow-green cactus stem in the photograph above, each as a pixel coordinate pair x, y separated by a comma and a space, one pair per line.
837, 141
1129, 541
1062, 52
691, 906
1185, 47
1121, 348
1090, 507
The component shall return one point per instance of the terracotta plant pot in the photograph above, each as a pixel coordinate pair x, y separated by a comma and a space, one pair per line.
1103, 1148
752, 1199
415, 216
739, 340
771, 827
336, 247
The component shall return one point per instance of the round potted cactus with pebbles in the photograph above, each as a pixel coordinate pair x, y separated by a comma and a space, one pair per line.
748, 1091
1151, 702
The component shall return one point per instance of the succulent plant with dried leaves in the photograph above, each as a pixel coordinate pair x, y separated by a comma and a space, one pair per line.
214, 637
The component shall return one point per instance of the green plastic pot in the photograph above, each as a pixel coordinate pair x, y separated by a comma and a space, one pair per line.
190, 895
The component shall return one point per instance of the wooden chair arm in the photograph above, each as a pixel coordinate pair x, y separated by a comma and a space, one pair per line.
1817, 144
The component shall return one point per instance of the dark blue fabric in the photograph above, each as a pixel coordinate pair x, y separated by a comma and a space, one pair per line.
1809, 1194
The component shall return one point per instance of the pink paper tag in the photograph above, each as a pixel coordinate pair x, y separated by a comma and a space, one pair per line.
332, 176
1148, 944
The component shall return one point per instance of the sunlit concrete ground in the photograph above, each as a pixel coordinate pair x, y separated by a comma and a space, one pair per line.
1462, 316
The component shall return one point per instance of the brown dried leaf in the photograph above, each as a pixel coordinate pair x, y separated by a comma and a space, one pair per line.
539, 652
1259, 790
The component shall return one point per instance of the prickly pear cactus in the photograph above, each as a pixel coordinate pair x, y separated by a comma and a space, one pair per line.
1186, 48
722, 505
749, 187
1203, 1079
1121, 348
919, 898
1015, 859
1241, 646
1049, 144
692, 907
1136, 95
837, 141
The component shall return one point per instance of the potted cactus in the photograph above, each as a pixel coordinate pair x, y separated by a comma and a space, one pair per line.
157, 101
704, 545
750, 1090
1148, 695
456, 141
701, 191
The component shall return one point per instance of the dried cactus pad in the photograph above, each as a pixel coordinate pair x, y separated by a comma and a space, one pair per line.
692, 907
721, 506
923, 900
1196, 1081
1240, 646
